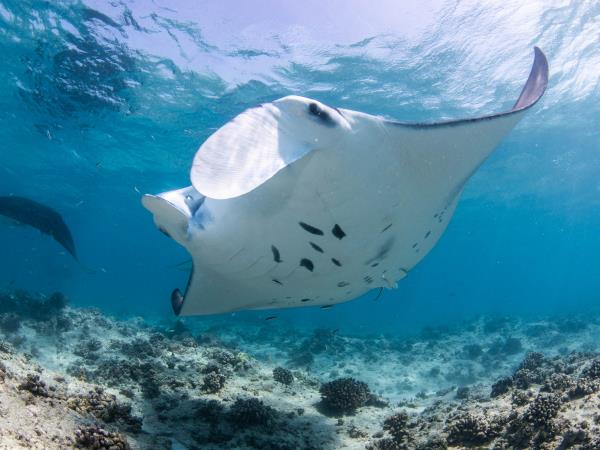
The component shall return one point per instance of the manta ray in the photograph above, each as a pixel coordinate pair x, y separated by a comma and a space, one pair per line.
297, 203
29, 212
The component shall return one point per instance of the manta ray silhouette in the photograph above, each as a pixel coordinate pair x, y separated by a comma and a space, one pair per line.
296, 203
37, 215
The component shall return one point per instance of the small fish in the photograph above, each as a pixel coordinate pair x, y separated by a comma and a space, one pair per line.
271, 318
326, 306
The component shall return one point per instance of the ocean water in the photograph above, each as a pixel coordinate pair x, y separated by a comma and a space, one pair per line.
101, 102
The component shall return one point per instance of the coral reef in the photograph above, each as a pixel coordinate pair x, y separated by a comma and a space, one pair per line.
35, 385
213, 382
543, 409
38, 308
10, 322
283, 376
344, 396
501, 386
95, 438
471, 430
90, 379
251, 412
397, 426
105, 407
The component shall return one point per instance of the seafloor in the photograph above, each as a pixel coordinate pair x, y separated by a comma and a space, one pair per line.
75, 378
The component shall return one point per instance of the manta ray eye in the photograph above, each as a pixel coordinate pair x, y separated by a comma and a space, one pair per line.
315, 110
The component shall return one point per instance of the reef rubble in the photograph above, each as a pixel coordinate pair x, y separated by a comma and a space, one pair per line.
76, 378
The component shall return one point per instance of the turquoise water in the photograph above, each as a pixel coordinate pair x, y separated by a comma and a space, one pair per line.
102, 102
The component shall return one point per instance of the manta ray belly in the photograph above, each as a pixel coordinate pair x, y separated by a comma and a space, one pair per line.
308, 237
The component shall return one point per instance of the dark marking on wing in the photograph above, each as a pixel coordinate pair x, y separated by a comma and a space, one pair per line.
383, 251
304, 300
307, 264
427, 234
324, 118
277, 281
375, 264
336, 262
387, 228
316, 247
343, 284
163, 231
338, 232
415, 245
368, 279
326, 306
276, 254
311, 229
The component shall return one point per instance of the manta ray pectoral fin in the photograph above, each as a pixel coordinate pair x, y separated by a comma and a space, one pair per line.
29, 212
255, 145
172, 210
443, 155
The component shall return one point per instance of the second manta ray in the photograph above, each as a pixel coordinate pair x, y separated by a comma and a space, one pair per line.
296, 203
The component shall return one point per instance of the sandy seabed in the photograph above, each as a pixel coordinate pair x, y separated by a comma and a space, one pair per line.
76, 378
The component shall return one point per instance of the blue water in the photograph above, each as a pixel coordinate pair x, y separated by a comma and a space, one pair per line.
101, 102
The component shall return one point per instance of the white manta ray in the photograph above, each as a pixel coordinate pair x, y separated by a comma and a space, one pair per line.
295, 203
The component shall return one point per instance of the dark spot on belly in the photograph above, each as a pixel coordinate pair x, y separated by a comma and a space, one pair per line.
277, 281
415, 245
336, 262
307, 264
311, 229
338, 232
368, 279
382, 253
304, 300
316, 247
343, 284
427, 234
387, 228
276, 255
